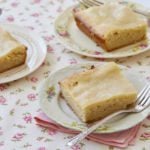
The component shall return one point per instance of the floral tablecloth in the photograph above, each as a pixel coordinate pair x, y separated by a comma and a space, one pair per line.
19, 101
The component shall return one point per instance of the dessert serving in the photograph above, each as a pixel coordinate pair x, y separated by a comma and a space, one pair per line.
12, 52
98, 92
112, 25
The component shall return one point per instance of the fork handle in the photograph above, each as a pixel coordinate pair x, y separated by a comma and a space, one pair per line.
75, 140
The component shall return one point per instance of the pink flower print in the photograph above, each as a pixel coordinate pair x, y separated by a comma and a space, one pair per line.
36, 1
31, 97
28, 118
76, 147
41, 148
18, 137
50, 49
1, 143
52, 132
35, 15
146, 135
97, 53
143, 45
34, 79
14, 4
10, 18
73, 61
2, 100
63, 33
48, 38
2, 87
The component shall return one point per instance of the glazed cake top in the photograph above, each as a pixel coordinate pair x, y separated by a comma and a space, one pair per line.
7, 42
104, 18
99, 84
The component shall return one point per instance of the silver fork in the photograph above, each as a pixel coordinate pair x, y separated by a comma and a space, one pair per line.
90, 3
143, 101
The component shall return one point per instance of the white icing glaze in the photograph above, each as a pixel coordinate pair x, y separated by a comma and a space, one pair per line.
111, 16
7, 42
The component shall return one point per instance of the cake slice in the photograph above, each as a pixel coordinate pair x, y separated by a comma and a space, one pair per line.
12, 52
98, 92
112, 25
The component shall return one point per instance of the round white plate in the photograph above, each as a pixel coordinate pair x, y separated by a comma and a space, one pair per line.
76, 41
56, 108
36, 53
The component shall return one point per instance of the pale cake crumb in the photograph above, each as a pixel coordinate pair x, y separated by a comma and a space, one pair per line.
12, 52
98, 92
112, 26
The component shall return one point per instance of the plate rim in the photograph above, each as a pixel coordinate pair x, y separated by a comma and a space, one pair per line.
41, 98
60, 39
30, 34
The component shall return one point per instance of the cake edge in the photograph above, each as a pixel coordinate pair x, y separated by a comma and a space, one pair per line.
100, 41
7, 60
83, 114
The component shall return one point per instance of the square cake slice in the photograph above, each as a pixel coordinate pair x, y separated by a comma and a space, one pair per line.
112, 25
12, 52
98, 92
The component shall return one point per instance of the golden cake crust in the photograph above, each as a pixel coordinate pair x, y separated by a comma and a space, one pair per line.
98, 39
96, 93
12, 52
14, 58
111, 32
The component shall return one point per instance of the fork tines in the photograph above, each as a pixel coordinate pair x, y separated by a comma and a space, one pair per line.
89, 3
144, 95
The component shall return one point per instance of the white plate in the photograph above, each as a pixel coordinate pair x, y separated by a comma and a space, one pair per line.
69, 35
55, 107
36, 53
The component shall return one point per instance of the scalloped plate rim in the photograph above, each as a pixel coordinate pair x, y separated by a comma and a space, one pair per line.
42, 98
17, 72
63, 42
